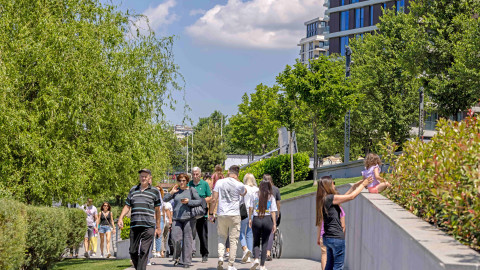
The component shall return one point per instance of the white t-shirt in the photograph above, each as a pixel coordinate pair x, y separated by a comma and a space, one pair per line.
91, 212
167, 206
250, 193
271, 205
230, 192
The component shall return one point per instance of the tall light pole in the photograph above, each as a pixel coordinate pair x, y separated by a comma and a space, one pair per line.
186, 168
192, 152
421, 116
348, 53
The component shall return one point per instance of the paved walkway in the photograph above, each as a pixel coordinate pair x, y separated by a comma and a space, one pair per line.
277, 264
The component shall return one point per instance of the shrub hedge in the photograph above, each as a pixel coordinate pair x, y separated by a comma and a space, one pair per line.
279, 168
125, 234
13, 234
439, 180
33, 237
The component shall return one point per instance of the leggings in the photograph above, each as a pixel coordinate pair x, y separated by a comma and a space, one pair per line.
261, 227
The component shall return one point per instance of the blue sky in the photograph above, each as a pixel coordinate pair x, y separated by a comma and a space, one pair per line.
226, 47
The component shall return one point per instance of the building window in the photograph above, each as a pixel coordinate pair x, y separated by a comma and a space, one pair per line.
303, 57
371, 15
355, 1
310, 46
310, 55
344, 20
400, 6
342, 2
312, 29
343, 44
384, 7
359, 16
320, 44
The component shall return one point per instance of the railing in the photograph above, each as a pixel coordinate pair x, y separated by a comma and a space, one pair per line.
260, 158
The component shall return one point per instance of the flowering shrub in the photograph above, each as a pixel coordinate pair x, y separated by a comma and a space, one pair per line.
439, 180
125, 234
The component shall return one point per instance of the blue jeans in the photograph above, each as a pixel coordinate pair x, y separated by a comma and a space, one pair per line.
246, 235
335, 253
158, 240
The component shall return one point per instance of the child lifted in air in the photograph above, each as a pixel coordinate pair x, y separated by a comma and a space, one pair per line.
372, 169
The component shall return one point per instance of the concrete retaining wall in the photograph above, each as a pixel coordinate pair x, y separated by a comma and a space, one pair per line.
350, 169
379, 235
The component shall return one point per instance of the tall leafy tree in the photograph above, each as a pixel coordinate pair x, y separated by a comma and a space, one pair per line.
324, 90
81, 100
208, 145
254, 128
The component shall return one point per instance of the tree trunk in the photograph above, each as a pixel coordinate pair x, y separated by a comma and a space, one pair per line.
315, 152
290, 144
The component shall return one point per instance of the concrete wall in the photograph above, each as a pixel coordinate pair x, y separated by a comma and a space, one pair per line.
350, 169
379, 235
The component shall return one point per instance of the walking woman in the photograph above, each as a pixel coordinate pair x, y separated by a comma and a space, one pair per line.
328, 211
158, 238
184, 198
246, 235
262, 208
105, 227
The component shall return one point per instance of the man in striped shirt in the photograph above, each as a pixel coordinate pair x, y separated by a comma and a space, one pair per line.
145, 202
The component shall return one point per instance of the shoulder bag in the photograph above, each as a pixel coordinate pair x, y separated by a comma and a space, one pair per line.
198, 211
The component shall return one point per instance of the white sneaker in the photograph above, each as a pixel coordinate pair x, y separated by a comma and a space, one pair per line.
263, 268
220, 263
94, 254
231, 267
246, 255
255, 263
249, 260
227, 254
101, 255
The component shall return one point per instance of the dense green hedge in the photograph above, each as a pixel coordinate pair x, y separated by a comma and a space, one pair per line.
13, 234
279, 168
125, 234
439, 180
33, 237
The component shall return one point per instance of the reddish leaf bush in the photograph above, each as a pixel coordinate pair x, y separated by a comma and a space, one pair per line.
439, 180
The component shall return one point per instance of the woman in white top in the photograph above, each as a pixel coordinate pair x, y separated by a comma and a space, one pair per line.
167, 210
246, 235
262, 219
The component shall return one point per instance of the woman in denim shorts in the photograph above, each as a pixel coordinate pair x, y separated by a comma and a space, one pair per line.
105, 227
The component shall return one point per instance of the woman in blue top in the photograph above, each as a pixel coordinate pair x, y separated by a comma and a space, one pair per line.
262, 208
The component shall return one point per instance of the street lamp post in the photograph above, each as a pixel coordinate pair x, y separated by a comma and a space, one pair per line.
421, 116
348, 53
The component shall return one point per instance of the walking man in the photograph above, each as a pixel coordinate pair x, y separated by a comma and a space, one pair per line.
91, 212
201, 225
226, 194
145, 202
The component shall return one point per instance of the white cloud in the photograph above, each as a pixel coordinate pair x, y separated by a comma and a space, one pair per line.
195, 12
266, 24
158, 16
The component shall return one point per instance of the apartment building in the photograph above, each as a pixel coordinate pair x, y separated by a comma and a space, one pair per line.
352, 18
315, 42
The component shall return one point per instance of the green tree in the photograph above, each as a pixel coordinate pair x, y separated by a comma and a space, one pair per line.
254, 128
81, 100
208, 144
324, 90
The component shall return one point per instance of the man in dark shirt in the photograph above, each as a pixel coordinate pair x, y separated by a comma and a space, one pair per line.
201, 225
145, 202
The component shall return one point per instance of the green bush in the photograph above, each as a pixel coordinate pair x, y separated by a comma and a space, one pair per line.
77, 225
46, 236
13, 233
125, 234
279, 168
439, 180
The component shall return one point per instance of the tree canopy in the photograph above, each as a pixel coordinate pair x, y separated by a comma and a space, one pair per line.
81, 100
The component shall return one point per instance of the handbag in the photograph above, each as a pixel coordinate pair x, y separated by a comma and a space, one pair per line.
243, 211
198, 211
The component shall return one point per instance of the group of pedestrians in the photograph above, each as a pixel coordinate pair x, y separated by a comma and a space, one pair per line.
242, 212
98, 223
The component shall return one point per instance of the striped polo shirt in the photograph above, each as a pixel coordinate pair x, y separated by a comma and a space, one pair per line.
143, 205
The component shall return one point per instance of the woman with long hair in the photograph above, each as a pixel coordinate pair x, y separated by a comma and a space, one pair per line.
184, 198
246, 234
105, 227
328, 211
262, 220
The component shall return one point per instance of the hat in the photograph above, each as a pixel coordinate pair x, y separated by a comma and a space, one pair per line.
145, 170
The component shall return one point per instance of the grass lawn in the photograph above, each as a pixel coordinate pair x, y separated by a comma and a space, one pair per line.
95, 264
305, 187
